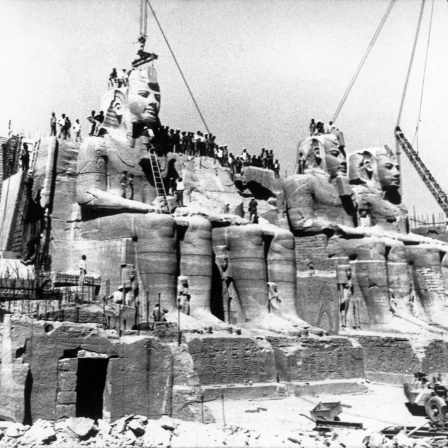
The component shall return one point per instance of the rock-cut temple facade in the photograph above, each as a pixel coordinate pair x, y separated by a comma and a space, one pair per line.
128, 304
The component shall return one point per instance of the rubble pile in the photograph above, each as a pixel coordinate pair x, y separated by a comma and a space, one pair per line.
139, 431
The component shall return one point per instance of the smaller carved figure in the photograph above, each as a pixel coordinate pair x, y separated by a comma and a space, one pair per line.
123, 183
274, 299
32, 250
183, 298
347, 303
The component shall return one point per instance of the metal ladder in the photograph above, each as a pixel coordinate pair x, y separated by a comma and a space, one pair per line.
436, 190
158, 183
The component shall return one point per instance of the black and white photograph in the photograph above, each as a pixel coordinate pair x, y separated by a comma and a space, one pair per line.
223, 223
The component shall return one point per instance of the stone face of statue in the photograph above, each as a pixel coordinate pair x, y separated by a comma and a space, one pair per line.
335, 161
388, 173
144, 96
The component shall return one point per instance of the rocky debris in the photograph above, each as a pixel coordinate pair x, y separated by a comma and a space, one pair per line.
80, 426
138, 431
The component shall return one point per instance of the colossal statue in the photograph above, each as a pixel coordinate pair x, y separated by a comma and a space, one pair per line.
375, 178
319, 199
322, 211
410, 260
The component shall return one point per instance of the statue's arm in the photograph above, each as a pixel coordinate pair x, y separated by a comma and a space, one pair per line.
298, 191
103, 200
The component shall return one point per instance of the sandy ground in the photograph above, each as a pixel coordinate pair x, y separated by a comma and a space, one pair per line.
377, 409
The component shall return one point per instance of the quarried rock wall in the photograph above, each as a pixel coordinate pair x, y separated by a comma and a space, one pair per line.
311, 359
230, 360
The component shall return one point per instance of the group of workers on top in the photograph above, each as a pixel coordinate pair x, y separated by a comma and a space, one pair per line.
62, 128
197, 145
318, 127
118, 79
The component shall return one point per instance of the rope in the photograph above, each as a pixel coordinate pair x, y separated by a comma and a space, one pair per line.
411, 62
424, 76
180, 70
361, 64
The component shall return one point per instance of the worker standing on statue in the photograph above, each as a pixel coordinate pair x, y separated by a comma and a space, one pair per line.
277, 169
312, 127
53, 124
91, 120
253, 216
113, 79
77, 131
180, 187
124, 78
99, 121
68, 127
25, 158
62, 131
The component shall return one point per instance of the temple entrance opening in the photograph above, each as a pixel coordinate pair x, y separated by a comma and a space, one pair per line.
91, 380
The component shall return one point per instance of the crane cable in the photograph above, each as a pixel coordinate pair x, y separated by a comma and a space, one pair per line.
363, 60
424, 76
178, 67
411, 62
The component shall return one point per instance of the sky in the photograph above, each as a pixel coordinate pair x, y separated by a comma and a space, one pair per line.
259, 70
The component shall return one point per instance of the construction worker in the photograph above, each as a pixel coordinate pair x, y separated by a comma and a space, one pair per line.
159, 314
312, 127
117, 296
68, 126
91, 119
53, 124
277, 169
77, 131
180, 187
253, 215
124, 79
62, 129
113, 79
25, 158
82, 270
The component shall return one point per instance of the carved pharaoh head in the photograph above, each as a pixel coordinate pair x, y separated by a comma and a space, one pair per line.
134, 106
377, 166
144, 96
324, 152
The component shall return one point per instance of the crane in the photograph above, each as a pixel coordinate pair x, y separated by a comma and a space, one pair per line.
433, 186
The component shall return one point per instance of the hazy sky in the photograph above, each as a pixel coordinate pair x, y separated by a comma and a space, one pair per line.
260, 70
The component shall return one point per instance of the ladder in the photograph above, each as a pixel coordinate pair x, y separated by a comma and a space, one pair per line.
158, 183
436, 190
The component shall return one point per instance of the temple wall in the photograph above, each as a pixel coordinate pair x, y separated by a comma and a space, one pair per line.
317, 301
36, 384
309, 359
229, 360
395, 359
